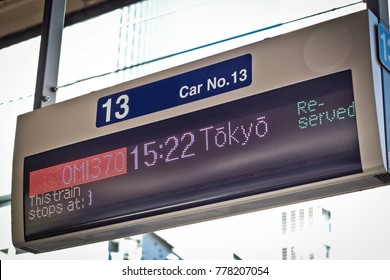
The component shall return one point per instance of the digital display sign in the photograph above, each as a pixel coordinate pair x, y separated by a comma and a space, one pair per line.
78, 172
294, 135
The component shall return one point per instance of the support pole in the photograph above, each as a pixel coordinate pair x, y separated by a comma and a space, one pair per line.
380, 8
49, 54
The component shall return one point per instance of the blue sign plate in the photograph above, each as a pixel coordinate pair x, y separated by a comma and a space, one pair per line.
384, 45
191, 86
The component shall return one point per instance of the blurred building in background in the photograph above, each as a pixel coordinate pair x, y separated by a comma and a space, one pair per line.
306, 233
142, 247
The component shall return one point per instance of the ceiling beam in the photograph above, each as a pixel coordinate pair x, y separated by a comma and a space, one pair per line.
70, 19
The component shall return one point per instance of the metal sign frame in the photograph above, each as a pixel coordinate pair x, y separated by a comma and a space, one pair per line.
295, 57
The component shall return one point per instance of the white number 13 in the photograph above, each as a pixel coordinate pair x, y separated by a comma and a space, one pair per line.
123, 110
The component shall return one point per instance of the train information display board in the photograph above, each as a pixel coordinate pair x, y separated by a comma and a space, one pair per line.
294, 135
221, 136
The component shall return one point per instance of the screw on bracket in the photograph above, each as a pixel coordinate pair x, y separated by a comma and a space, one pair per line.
45, 98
